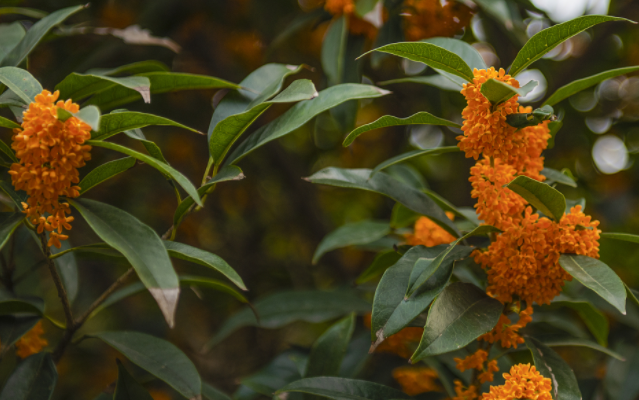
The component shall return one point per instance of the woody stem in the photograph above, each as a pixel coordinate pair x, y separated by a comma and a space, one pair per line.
62, 293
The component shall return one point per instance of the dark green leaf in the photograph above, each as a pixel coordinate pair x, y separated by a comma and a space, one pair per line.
160, 166
34, 379
413, 154
550, 365
282, 308
554, 127
382, 183
421, 118
141, 246
21, 83
448, 206
131, 69
626, 237
596, 276
68, 269
301, 113
98, 248
211, 393
352, 234
329, 349
9, 304
402, 217
583, 343
343, 389
117, 122
203, 282
10, 36
7, 123
17, 197
280, 371
438, 81
593, 318
104, 172
334, 49
210, 260
380, 264
159, 357
498, 92
8, 224
464, 50
79, 86
13, 328
35, 34
459, 315
559, 177
546, 199
549, 38
431, 55
127, 388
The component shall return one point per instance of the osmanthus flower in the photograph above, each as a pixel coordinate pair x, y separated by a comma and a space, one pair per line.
488, 374
535, 139
429, 234
49, 152
416, 380
505, 331
430, 18
523, 382
469, 393
31, 342
473, 361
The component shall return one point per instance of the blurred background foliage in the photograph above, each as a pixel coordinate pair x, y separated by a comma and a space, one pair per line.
268, 225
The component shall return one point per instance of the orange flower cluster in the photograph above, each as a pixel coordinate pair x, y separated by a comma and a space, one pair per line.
416, 380
356, 25
523, 382
31, 342
477, 361
431, 18
506, 332
50, 152
429, 234
469, 393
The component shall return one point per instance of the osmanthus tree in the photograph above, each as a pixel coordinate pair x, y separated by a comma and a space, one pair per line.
54, 133
455, 298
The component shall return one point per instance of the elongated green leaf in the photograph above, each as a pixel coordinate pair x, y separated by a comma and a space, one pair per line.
626, 237
551, 365
283, 308
159, 357
334, 50
382, 183
8, 224
227, 131
7, 123
583, 343
141, 246
35, 34
17, 197
421, 118
12, 328
581, 84
116, 122
161, 82
79, 86
208, 283
362, 232
21, 83
7, 151
431, 55
10, 36
283, 369
301, 113
598, 277
413, 154
210, 260
498, 92
632, 294
549, 38
559, 177
89, 115
131, 69
329, 349
211, 393
228, 173
381, 263
554, 128
464, 50
23, 305
34, 379
160, 166
127, 388
459, 315
343, 389
104, 172
594, 319
546, 199
437, 80
98, 248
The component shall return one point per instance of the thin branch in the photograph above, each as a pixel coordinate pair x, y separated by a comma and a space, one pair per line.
82, 319
62, 293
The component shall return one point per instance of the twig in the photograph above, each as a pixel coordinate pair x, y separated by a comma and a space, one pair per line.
82, 319
62, 293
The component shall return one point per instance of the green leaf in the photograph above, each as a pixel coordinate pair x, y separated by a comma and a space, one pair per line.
549, 38
413, 154
438, 81
227, 131
594, 319
301, 113
632, 294
228, 173
157, 356
27, 12
421, 118
80, 86
554, 127
282, 370
626, 237
598, 277
498, 92
334, 50
282, 308
116, 122
203, 282
551, 365
13, 328
380, 264
543, 197
583, 343
434, 56
35, 378
160, 166
97, 248
24, 305
8, 224
352, 234
391, 310
104, 172
467, 52
10, 36
577, 86
382, 183
35, 34
21, 83
161, 82
459, 315
210, 260
131, 69
141, 246
559, 177
89, 115
329, 349
401, 217
18, 198
7, 123
127, 388
211, 393
343, 389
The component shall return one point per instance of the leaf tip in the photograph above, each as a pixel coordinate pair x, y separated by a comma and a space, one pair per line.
167, 300
383, 92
